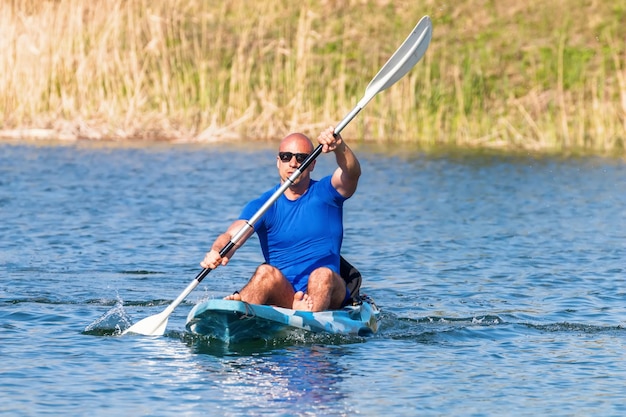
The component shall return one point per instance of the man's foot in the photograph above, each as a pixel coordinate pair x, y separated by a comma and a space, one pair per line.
302, 301
234, 296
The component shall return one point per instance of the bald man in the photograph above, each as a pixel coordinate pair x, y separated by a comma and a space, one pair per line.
301, 233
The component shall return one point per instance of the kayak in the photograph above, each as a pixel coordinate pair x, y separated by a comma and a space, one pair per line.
236, 321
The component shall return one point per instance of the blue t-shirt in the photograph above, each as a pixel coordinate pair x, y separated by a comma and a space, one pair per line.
300, 236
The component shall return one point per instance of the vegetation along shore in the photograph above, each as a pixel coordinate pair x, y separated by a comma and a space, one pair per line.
530, 75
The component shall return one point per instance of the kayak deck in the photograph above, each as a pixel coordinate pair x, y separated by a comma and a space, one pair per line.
234, 321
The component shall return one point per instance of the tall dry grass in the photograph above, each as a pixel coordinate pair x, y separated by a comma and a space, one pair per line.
499, 74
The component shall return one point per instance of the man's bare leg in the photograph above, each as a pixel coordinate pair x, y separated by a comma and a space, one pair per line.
267, 286
326, 291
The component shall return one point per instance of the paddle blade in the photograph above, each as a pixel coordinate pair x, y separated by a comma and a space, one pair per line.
406, 56
150, 326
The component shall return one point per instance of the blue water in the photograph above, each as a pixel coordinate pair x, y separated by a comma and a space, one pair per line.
501, 280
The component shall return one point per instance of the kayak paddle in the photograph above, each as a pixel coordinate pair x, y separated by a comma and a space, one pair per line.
405, 58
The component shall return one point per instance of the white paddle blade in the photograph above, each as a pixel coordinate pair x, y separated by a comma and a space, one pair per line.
406, 56
155, 325
150, 326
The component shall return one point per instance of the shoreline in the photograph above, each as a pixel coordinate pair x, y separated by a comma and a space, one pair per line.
52, 137
243, 72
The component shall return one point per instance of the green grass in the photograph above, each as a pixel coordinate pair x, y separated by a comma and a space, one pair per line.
534, 75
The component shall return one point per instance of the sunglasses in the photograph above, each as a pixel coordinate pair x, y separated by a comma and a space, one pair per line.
286, 156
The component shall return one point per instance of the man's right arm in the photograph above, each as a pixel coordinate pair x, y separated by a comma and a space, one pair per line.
212, 258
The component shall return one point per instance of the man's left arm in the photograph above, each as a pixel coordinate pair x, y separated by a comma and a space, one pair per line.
346, 177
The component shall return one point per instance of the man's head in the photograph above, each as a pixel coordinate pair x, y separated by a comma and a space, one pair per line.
292, 151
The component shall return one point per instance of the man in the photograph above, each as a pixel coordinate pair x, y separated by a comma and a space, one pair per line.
301, 233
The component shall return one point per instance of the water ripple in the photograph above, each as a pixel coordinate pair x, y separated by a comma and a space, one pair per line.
500, 278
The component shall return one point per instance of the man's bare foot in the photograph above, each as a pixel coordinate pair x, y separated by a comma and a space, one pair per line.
235, 296
302, 301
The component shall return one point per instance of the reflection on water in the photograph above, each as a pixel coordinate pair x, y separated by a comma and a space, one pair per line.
290, 379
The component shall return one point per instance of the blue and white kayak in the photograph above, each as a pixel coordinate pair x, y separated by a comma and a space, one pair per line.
235, 321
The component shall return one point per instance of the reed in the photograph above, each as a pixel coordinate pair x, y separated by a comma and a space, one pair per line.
505, 74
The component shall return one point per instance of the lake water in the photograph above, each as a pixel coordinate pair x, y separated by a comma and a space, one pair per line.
501, 280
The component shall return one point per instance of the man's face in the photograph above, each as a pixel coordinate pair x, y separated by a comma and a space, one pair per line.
291, 153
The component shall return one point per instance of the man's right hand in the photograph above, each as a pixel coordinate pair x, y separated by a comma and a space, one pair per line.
212, 260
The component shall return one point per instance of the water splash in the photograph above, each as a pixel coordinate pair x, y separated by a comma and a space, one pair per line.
427, 329
576, 327
296, 337
111, 323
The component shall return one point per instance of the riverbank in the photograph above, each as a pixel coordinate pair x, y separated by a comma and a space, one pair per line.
497, 74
